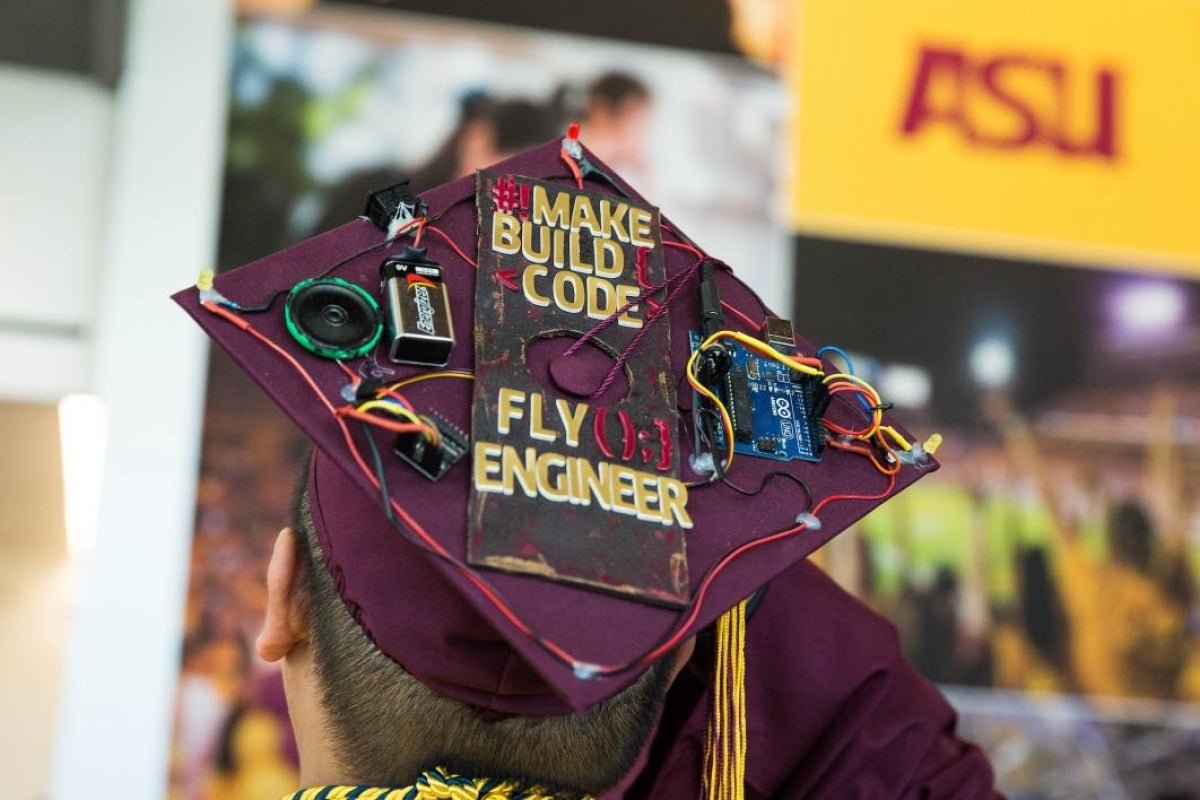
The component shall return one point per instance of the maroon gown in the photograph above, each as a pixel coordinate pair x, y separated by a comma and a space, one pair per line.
834, 709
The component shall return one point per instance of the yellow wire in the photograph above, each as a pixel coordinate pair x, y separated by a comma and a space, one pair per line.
846, 376
431, 430
876, 412
896, 436
394, 409
749, 343
762, 348
397, 410
424, 376
726, 422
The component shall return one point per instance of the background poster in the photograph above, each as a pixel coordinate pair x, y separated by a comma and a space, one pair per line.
1054, 555
1051, 130
950, 162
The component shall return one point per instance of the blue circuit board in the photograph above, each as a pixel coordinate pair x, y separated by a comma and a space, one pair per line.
775, 413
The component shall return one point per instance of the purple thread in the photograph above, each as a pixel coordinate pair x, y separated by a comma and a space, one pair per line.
679, 280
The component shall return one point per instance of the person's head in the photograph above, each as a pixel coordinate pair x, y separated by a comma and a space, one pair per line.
1041, 612
360, 717
616, 116
1131, 535
488, 130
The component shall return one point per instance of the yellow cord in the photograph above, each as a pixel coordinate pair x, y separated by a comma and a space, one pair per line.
436, 784
725, 749
846, 376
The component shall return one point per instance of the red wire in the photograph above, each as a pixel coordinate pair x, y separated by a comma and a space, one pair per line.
453, 246
250, 329
698, 601
386, 424
392, 393
355, 380
754, 326
565, 156
697, 252
850, 388
413, 525
483, 586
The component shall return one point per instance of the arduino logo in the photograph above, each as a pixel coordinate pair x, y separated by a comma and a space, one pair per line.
1014, 101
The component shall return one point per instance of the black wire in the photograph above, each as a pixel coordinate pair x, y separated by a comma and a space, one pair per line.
262, 307
387, 240
379, 473
680, 392
446, 209
767, 479
706, 435
707, 439
536, 637
429, 220
410, 536
588, 170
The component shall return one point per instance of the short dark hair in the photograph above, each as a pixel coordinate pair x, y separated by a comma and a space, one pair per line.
388, 727
613, 89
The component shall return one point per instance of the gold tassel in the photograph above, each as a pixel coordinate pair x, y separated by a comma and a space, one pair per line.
725, 748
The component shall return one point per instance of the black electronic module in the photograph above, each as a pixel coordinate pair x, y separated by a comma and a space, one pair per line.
432, 460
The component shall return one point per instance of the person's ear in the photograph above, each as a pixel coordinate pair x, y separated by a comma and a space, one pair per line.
286, 622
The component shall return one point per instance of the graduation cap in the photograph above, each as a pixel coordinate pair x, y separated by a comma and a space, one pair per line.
553, 437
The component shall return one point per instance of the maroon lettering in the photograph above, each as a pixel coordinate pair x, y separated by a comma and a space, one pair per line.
945, 80
946, 66
1103, 142
992, 77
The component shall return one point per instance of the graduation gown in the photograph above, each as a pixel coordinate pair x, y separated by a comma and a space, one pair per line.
834, 709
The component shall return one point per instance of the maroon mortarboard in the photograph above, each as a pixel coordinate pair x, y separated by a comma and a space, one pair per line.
553, 437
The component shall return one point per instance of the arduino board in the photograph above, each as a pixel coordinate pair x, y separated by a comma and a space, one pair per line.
776, 412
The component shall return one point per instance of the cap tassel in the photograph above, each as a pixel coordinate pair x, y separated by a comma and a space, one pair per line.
725, 749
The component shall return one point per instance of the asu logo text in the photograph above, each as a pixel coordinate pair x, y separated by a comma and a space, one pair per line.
1010, 101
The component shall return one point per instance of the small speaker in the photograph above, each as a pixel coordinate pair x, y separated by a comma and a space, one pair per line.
333, 318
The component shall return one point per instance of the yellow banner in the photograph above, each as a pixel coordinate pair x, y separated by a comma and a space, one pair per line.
1059, 130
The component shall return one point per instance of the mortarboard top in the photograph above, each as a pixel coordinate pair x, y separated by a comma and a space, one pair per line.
507, 640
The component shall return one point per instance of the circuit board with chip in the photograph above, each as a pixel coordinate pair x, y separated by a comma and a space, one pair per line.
776, 413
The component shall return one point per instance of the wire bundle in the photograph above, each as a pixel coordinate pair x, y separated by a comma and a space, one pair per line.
870, 440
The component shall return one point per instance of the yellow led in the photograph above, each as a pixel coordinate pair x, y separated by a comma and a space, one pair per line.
205, 282
933, 443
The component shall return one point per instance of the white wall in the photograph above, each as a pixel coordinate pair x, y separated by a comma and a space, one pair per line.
148, 360
35, 592
55, 138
